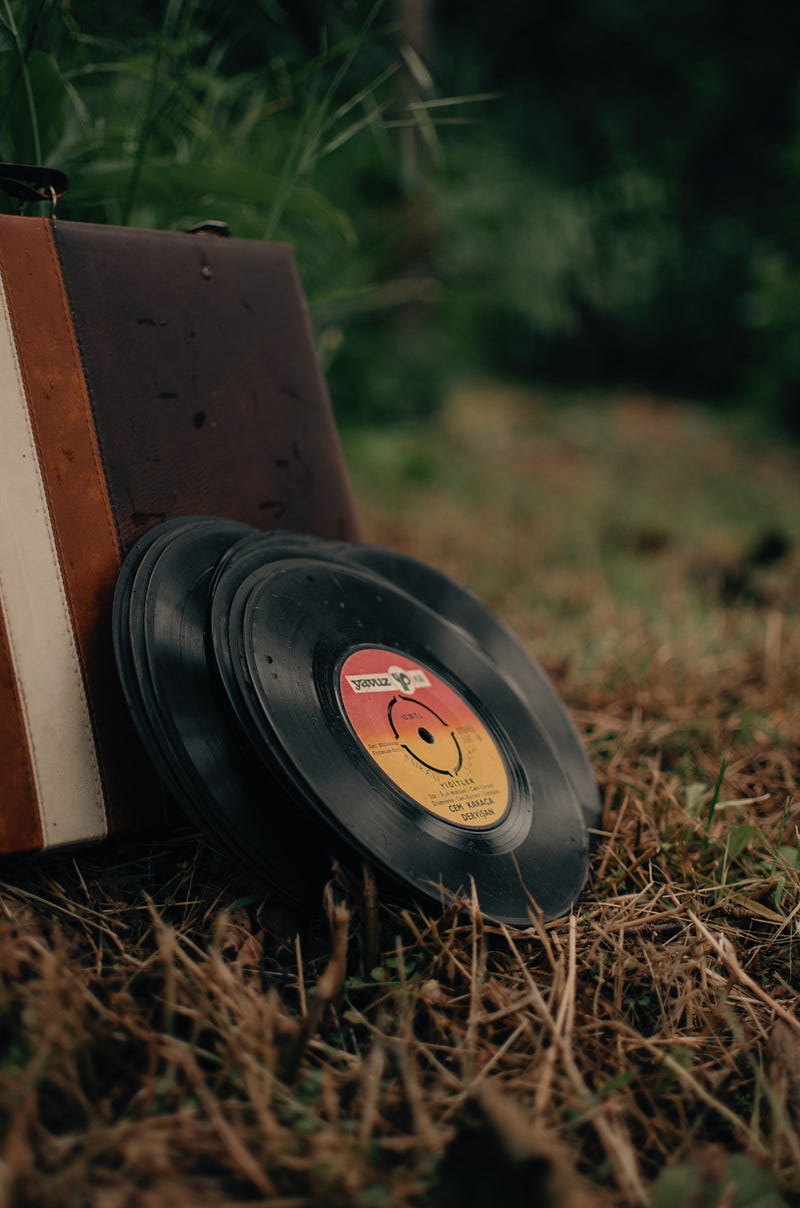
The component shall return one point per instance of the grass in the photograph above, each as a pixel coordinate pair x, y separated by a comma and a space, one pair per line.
168, 1039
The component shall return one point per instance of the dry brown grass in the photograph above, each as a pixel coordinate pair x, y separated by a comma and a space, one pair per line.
166, 1040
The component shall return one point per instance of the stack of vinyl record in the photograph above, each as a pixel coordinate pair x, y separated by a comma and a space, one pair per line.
304, 698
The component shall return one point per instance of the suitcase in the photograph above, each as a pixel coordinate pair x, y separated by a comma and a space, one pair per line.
143, 375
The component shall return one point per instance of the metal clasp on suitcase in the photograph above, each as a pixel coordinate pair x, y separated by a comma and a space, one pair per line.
31, 182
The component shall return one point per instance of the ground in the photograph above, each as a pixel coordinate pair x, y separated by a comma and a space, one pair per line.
166, 1039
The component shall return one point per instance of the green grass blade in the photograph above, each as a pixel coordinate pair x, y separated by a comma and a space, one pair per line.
712, 805
24, 74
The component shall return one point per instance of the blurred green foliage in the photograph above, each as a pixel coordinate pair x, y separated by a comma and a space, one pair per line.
645, 165
615, 201
149, 113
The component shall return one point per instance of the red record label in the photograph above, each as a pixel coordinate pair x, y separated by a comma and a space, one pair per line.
424, 737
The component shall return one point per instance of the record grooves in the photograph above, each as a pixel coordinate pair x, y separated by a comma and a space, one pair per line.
303, 697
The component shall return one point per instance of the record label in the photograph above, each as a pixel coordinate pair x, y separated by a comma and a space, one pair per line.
424, 737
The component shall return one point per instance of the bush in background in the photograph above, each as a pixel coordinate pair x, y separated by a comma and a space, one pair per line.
629, 207
617, 200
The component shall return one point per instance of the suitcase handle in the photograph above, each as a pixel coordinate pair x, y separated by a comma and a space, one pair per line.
30, 182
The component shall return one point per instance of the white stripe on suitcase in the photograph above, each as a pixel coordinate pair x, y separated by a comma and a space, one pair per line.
39, 625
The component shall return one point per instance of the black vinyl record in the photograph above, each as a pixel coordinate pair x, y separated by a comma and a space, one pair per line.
446, 598
128, 641
436, 769
159, 631
220, 783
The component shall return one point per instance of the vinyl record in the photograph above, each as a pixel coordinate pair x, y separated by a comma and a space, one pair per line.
459, 606
445, 597
128, 640
220, 783
400, 735
158, 599
159, 624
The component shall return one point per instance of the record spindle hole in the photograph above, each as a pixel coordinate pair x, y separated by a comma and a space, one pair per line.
425, 735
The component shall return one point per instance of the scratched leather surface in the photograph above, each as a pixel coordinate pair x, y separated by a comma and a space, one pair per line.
204, 381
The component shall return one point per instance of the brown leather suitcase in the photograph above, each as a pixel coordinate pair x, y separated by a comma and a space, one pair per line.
143, 375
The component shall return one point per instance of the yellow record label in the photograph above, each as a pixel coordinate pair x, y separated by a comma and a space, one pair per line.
424, 737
